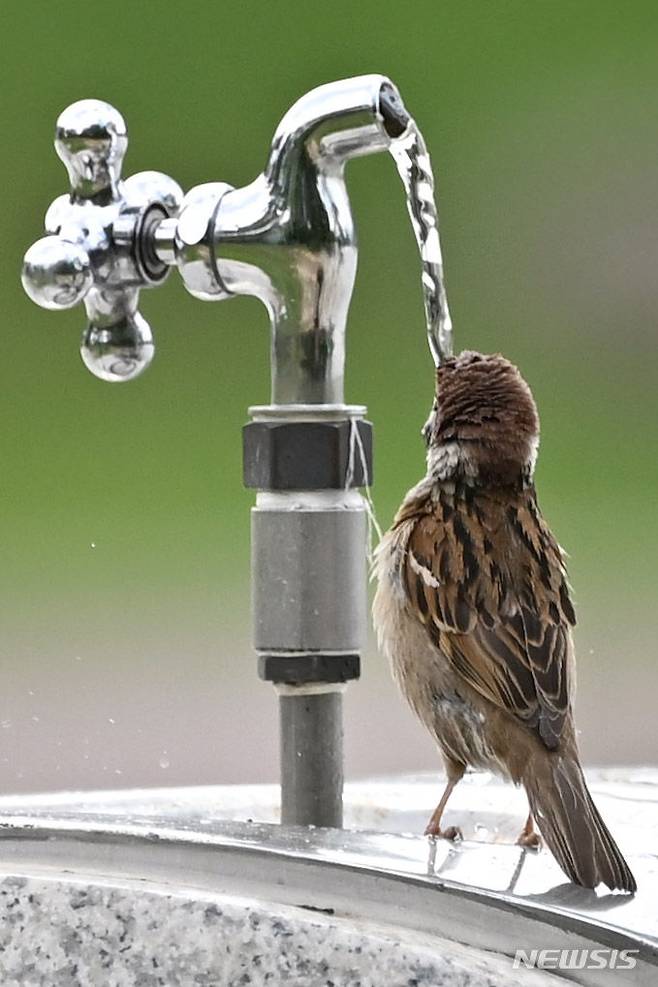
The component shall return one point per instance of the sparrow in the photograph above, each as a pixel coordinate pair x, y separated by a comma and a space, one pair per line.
473, 610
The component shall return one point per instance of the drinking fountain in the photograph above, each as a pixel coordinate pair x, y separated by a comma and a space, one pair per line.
287, 238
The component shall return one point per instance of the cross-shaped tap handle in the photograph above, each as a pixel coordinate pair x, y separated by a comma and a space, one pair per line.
97, 245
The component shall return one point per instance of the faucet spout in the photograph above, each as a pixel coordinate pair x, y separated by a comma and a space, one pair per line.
288, 238
336, 122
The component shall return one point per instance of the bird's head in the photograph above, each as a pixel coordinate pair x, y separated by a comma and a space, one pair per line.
484, 426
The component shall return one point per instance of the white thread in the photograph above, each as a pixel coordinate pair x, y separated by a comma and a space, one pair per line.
349, 475
356, 442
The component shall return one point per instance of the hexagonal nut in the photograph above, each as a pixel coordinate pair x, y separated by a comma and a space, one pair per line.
306, 455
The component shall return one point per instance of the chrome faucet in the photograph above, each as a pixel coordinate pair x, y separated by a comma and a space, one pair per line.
288, 238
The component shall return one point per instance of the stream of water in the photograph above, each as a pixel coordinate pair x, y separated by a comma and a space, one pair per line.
415, 168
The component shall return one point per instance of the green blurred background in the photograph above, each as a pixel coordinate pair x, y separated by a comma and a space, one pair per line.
129, 663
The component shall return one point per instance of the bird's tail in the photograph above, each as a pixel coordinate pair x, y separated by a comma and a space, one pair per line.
572, 826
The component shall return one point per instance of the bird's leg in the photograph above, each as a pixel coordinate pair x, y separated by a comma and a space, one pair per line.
433, 827
529, 837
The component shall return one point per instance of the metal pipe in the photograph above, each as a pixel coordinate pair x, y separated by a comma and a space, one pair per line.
309, 572
311, 753
309, 607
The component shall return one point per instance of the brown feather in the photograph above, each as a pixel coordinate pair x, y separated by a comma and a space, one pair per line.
507, 644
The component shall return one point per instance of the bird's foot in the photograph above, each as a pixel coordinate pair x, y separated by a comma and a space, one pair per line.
529, 838
452, 833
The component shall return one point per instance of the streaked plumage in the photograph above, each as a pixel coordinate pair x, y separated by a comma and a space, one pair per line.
473, 609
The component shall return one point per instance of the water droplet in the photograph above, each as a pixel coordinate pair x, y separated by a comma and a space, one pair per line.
30, 692
78, 658
111, 720
164, 763
5, 724
118, 771
35, 719
93, 544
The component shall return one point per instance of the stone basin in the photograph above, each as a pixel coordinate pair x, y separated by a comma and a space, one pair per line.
200, 886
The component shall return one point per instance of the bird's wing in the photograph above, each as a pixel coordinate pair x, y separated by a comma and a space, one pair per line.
487, 579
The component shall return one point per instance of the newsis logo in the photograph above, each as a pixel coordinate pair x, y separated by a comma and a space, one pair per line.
598, 958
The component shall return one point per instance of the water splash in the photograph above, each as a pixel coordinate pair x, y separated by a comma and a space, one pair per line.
415, 168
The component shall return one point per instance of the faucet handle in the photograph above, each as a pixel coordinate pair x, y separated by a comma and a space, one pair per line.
56, 272
99, 243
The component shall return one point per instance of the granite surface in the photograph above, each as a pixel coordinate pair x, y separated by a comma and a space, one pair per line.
56, 933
